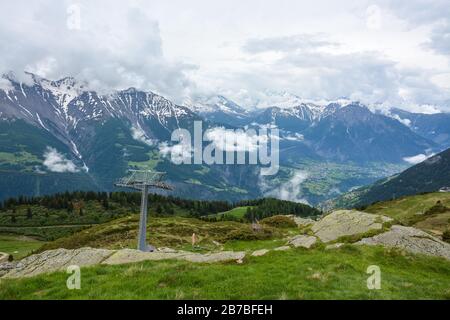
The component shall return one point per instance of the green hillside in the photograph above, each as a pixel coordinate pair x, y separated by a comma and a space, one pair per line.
48, 218
429, 212
173, 232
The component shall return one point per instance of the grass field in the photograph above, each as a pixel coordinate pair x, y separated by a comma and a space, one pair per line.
294, 274
18, 246
237, 213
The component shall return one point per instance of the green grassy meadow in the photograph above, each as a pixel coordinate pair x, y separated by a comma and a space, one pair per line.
413, 211
294, 274
18, 246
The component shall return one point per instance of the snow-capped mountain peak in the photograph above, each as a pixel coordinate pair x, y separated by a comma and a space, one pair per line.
214, 104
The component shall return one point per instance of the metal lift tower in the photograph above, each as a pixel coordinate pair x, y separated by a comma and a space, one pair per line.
143, 180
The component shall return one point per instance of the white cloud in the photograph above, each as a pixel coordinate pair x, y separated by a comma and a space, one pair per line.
417, 158
321, 49
235, 140
5, 84
440, 39
291, 189
374, 17
57, 162
178, 153
299, 42
117, 46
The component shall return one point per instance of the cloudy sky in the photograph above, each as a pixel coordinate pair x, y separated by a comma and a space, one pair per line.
380, 51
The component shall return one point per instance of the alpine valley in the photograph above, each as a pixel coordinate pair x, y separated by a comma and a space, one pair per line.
58, 135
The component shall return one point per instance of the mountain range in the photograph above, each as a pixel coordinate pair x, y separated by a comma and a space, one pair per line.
59, 135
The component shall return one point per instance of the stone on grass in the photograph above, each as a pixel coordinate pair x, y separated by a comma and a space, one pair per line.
303, 222
283, 248
347, 223
302, 241
412, 240
57, 260
131, 256
4, 257
259, 253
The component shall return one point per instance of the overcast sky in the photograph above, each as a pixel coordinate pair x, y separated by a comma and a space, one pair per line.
391, 52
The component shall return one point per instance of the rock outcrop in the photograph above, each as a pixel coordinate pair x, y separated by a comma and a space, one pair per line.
303, 222
347, 223
302, 241
55, 260
283, 248
412, 240
130, 256
60, 259
260, 253
4, 257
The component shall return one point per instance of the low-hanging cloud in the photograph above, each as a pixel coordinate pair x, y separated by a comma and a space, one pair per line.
235, 140
289, 190
57, 162
178, 153
138, 134
417, 158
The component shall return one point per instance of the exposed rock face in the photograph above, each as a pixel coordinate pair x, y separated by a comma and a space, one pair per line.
346, 223
302, 241
60, 259
55, 260
412, 240
4, 257
5, 267
302, 222
259, 253
130, 256
283, 248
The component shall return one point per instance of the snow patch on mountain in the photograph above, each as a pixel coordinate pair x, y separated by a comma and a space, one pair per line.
212, 104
